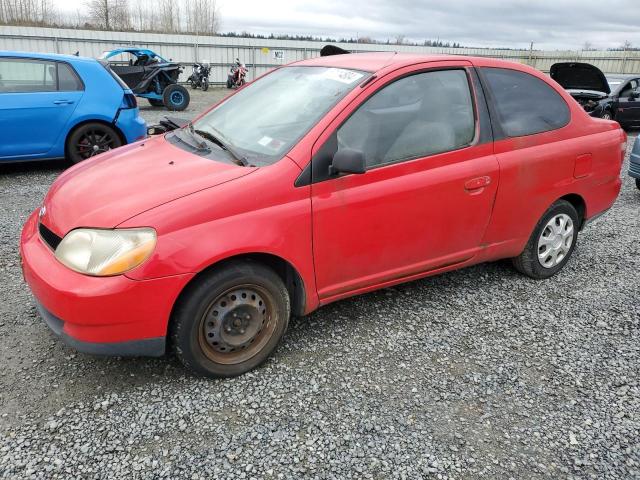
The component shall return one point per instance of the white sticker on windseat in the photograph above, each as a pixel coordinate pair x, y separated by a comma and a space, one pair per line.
341, 75
264, 141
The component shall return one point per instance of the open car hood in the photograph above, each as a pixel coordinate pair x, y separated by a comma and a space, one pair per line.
579, 76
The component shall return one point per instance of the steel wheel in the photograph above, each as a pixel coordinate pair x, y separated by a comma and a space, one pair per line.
237, 324
555, 241
230, 319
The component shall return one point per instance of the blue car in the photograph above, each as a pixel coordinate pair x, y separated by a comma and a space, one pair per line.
634, 162
57, 106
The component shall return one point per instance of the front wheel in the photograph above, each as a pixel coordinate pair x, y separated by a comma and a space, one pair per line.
230, 320
205, 84
90, 140
175, 97
607, 115
551, 243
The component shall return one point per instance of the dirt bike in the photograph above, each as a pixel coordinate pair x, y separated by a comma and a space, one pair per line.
200, 76
237, 74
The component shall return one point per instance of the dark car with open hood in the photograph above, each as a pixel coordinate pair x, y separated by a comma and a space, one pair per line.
588, 85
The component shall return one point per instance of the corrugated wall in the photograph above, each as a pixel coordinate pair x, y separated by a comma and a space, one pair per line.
260, 55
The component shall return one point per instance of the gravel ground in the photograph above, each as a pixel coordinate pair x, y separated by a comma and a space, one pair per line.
479, 373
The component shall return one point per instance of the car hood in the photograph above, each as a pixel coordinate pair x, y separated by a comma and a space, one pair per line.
588, 94
579, 76
113, 187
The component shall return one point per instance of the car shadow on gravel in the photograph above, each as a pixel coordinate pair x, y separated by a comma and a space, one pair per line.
35, 166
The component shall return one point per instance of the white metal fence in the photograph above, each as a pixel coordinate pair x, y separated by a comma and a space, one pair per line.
260, 55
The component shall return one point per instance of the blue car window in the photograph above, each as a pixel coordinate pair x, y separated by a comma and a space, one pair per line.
25, 75
68, 80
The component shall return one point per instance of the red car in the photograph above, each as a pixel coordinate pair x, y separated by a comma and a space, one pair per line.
323, 179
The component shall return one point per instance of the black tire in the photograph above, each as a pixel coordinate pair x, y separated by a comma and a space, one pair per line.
196, 322
175, 97
528, 261
205, 84
155, 103
91, 139
229, 82
638, 183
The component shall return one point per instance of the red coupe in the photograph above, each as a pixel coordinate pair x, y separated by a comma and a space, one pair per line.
321, 180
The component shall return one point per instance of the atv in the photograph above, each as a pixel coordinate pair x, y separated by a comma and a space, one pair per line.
149, 76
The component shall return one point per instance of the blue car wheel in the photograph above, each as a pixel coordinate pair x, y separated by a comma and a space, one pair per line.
175, 97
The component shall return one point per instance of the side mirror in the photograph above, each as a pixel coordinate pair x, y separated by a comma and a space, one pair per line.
347, 160
633, 95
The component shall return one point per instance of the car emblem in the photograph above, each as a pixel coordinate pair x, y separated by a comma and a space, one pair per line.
43, 212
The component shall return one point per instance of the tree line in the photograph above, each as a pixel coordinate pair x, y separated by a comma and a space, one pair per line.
163, 16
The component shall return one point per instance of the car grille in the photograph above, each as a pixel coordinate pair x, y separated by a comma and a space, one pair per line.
49, 237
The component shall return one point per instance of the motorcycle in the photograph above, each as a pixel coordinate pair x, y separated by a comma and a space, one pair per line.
200, 76
237, 74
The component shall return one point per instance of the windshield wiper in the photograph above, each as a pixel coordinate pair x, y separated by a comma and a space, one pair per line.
220, 140
198, 145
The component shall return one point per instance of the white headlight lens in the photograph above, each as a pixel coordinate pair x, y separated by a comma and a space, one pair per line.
106, 252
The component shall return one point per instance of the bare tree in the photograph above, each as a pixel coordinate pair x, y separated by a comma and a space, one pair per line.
587, 46
626, 45
202, 16
109, 14
399, 39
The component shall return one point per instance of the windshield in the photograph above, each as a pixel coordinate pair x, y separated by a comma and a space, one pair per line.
266, 118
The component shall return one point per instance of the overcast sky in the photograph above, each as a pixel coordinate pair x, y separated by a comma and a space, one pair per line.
550, 24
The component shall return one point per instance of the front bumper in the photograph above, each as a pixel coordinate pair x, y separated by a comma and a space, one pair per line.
101, 315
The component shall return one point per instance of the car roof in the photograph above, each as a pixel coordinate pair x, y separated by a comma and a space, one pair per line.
45, 56
374, 61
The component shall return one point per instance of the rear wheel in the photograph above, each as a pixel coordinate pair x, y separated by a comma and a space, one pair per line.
230, 320
91, 139
175, 97
552, 242
607, 115
156, 103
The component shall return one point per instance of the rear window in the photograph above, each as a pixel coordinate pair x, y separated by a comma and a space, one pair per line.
525, 104
114, 75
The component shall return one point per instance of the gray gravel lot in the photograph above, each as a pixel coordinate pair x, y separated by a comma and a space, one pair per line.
479, 373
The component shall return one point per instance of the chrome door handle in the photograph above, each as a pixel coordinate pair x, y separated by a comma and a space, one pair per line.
63, 102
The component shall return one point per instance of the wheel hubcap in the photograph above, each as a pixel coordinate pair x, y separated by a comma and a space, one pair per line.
555, 241
236, 325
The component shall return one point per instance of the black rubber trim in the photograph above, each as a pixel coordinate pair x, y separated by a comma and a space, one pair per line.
49, 237
148, 347
486, 130
496, 126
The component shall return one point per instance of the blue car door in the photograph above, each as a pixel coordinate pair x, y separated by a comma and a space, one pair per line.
37, 98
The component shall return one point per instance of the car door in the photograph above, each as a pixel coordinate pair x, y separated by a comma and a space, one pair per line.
628, 112
427, 194
37, 98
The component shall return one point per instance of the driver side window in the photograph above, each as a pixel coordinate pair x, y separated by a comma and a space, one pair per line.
629, 88
416, 116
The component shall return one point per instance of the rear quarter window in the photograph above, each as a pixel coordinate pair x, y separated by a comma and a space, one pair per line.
525, 104
68, 80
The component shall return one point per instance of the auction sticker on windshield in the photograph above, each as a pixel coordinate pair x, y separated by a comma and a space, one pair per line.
341, 75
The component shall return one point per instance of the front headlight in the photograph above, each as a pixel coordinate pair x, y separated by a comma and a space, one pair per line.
105, 252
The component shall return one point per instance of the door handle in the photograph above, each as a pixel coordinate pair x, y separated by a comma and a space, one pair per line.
477, 183
63, 102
